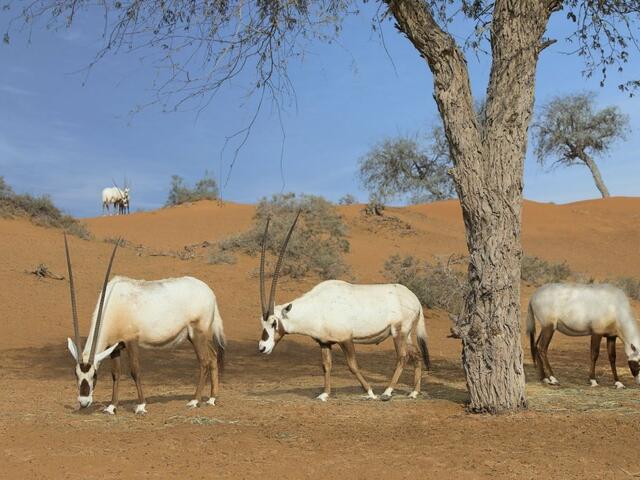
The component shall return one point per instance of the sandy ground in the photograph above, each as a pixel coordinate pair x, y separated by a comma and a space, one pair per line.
267, 424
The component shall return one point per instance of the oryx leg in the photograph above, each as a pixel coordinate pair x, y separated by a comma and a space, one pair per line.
400, 342
325, 348
134, 364
595, 352
350, 353
213, 371
415, 357
611, 350
201, 346
115, 376
543, 346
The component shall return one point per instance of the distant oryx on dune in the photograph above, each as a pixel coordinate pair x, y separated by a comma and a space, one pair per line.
118, 198
337, 312
149, 314
599, 310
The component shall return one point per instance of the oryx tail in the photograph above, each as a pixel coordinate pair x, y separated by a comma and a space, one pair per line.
531, 330
219, 342
421, 334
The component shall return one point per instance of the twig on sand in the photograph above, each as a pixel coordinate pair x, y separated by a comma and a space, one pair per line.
632, 475
42, 271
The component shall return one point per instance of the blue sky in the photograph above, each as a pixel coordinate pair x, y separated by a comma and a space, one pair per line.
67, 134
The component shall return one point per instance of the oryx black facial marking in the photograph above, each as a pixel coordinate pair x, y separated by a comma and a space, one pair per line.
634, 366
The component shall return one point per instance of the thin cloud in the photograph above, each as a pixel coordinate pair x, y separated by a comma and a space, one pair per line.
10, 89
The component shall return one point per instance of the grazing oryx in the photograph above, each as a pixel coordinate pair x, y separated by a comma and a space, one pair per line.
151, 314
599, 310
346, 314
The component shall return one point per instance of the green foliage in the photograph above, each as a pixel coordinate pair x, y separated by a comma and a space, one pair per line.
205, 189
437, 285
40, 210
403, 168
537, 271
318, 242
347, 199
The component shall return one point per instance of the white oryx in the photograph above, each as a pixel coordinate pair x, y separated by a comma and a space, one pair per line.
337, 312
148, 314
599, 310
117, 197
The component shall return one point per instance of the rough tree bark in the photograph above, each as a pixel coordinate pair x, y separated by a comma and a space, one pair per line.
488, 172
595, 172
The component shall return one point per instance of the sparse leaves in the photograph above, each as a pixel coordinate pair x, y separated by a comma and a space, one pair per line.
402, 168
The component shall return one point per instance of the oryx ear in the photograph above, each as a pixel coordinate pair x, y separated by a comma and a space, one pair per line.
101, 356
73, 350
633, 347
288, 308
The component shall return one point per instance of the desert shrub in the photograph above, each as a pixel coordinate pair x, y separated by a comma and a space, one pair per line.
317, 245
40, 210
537, 271
218, 256
205, 189
438, 285
348, 199
630, 286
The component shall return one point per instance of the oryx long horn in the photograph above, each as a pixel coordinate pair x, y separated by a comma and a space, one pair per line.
96, 329
265, 307
276, 272
74, 309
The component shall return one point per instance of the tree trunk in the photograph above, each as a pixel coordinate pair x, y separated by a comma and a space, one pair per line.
595, 171
488, 172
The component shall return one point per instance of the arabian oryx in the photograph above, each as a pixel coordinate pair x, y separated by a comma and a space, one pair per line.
339, 312
599, 310
148, 314
117, 197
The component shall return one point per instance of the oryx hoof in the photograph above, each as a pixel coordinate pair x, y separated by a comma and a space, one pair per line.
193, 403
110, 410
553, 380
593, 382
619, 384
413, 395
140, 409
323, 397
386, 396
211, 401
370, 395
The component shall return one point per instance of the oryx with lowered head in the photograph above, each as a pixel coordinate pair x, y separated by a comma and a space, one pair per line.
337, 312
598, 310
149, 314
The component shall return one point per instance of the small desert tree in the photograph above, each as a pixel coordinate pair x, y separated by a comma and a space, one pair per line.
402, 167
570, 131
205, 189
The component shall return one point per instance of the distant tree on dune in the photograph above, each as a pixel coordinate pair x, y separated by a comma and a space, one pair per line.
403, 167
205, 189
570, 131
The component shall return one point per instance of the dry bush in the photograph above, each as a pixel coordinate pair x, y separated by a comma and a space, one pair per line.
537, 271
205, 189
220, 257
347, 199
629, 285
439, 285
40, 210
317, 245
